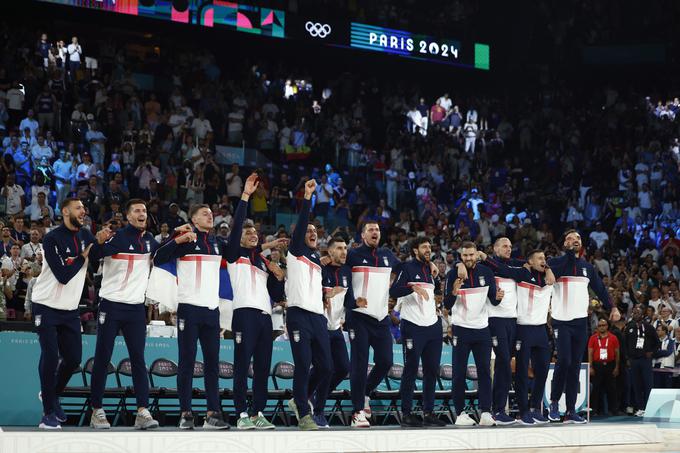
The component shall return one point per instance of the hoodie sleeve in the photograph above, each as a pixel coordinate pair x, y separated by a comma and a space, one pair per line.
231, 249
297, 242
63, 270
518, 274
492, 289
449, 299
400, 287
167, 252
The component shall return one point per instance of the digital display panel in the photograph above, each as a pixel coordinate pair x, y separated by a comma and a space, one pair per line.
208, 13
276, 23
418, 46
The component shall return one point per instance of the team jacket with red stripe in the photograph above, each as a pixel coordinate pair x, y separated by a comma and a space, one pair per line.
303, 285
247, 268
333, 276
198, 269
127, 264
60, 283
469, 308
508, 306
570, 296
533, 295
414, 308
371, 269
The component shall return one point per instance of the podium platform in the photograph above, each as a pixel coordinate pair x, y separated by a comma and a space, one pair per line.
286, 440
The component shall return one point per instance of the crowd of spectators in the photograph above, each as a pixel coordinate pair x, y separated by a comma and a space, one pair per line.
451, 166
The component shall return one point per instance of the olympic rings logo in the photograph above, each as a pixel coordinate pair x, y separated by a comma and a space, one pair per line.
318, 30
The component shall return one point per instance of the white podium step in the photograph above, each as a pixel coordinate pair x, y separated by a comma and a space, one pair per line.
287, 440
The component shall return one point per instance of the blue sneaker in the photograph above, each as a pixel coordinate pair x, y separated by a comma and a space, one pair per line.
503, 419
59, 412
49, 422
320, 421
527, 419
573, 417
539, 418
554, 412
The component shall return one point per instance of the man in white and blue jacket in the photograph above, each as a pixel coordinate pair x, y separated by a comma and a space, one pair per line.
125, 277
251, 324
305, 320
569, 310
198, 256
466, 299
367, 322
56, 296
534, 288
336, 278
421, 332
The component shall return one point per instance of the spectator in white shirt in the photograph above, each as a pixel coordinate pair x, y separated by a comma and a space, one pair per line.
446, 102
415, 123
234, 185
470, 134
41, 150
14, 194
15, 101
40, 209
30, 123
602, 264
598, 236
75, 53
86, 169
669, 269
32, 249
645, 201
145, 172
97, 141
201, 126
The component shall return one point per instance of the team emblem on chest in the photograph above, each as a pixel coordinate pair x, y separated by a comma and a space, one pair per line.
296, 336
352, 335
482, 281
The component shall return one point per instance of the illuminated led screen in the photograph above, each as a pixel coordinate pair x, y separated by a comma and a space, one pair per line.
272, 22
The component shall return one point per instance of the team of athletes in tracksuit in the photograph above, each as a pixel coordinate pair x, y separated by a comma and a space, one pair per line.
496, 303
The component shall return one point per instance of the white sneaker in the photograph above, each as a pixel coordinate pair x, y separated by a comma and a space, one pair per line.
98, 419
487, 419
359, 420
367, 407
640, 413
464, 419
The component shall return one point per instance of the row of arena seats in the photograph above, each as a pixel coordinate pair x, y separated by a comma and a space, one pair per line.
119, 401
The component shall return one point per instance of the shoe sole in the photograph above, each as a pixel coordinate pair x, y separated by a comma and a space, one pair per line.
144, 428
44, 426
100, 427
309, 429
541, 422
523, 423
264, 428
465, 424
361, 426
553, 419
186, 428
572, 422
505, 423
246, 428
215, 428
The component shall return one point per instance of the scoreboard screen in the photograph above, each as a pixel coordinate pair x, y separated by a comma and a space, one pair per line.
275, 23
